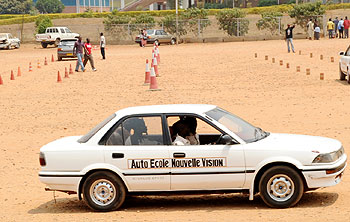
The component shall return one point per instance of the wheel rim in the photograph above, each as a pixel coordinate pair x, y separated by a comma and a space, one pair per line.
102, 192
280, 187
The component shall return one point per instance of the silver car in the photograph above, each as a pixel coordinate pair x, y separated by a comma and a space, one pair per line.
157, 35
7, 41
65, 49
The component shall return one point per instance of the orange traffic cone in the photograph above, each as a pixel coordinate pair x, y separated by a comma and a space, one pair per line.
19, 71
59, 77
12, 76
66, 73
70, 69
45, 63
1, 82
30, 67
155, 65
52, 58
39, 65
153, 86
147, 74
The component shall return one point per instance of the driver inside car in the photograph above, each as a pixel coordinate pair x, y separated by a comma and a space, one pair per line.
183, 131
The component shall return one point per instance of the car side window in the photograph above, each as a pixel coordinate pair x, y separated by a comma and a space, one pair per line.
138, 131
62, 31
158, 32
163, 33
192, 130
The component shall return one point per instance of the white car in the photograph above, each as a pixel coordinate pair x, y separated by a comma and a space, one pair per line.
7, 41
53, 36
132, 152
344, 65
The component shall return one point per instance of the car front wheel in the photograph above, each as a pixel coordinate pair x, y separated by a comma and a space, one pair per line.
44, 45
348, 74
104, 191
173, 42
281, 187
341, 74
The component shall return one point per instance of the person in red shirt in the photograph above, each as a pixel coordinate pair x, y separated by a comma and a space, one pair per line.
88, 54
346, 27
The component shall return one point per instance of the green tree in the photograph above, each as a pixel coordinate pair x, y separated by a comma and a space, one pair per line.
269, 21
169, 25
15, 6
263, 3
42, 22
302, 13
49, 6
232, 21
192, 16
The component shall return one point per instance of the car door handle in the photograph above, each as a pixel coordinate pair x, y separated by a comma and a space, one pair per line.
117, 155
179, 155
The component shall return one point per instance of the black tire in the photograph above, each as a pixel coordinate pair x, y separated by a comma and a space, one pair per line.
289, 185
44, 45
140, 44
173, 41
108, 184
156, 42
341, 74
348, 74
59, 58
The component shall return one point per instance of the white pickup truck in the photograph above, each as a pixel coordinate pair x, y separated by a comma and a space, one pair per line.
7, 41
53, 35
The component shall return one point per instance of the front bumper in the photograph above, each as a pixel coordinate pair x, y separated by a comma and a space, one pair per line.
328, 175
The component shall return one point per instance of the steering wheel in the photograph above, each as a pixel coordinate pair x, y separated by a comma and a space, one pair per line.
218, 140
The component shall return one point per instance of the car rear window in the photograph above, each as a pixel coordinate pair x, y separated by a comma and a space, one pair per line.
150, 32
92, 132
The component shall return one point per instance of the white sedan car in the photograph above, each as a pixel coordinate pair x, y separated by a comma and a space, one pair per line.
133, 152
344, 65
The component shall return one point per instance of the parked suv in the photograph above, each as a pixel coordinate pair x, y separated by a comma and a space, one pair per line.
53, 36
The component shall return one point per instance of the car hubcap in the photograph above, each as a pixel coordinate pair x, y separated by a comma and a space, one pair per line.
280, 188
102, 192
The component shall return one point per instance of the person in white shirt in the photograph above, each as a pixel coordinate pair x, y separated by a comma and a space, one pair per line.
102, 46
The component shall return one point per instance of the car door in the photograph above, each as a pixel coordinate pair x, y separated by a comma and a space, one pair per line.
135, 146
165, 37
159, 35
209, 165
63, 33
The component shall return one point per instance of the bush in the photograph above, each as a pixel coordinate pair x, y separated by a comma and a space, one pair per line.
191, 18
267, 3
304, 12
42, 22
269, 21
230, 20
169, 25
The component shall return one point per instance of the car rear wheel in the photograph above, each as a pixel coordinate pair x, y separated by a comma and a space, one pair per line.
348, 74
157, 42
44, 45
281, 187
173, 42
104, 191
59, 58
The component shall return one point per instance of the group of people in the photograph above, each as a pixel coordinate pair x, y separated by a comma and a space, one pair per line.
83, 50
313, 29
338, 28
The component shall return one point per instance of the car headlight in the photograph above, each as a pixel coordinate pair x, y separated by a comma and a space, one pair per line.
329, 157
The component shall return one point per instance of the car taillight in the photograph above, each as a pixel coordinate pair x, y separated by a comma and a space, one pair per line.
42, 159
59, 49
149, 37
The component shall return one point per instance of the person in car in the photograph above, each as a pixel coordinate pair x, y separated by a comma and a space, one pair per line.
183, 131
193, 137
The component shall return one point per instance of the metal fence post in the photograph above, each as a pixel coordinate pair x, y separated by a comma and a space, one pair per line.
279, 25
199, 27
239, 28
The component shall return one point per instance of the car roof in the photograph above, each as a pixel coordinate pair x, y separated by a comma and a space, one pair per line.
173, 108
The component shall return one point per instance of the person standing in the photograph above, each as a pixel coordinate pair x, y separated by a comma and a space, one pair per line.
78, 51
330, 28
103, 45
346, 27
317, 32
310, 29
336, 21
289, 37
88, 55
341, 28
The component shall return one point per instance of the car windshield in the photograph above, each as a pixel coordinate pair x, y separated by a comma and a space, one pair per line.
241, 128
68, 42
150, 32
92, 132
68, 31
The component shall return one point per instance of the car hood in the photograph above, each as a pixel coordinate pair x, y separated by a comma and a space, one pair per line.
299, 143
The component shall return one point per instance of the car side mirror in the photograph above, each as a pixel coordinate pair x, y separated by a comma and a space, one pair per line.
227, 140
341, 53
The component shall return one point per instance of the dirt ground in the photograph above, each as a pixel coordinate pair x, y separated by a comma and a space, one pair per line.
35, 109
